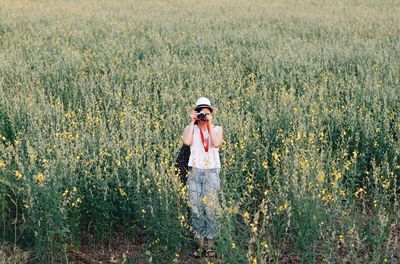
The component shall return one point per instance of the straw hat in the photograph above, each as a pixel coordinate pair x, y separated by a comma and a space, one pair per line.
203, 102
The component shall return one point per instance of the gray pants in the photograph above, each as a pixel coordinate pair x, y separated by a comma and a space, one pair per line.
203, 188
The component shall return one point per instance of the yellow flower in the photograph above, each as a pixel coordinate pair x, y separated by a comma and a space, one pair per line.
18, 175
311, 138
204, 200
386, 184
337, 175
232, 210
321, 135
264, 245
253, 260
251, 75
183, 191
304, 164
346, 152
2, 164
129, 155
341, 238
233, 245
181, 218
253, 228
40, 178
321, 176
276, 156
298, 135
246, 216
122, 192
347, 165
283, 207
78, 200
265, 164
359, 192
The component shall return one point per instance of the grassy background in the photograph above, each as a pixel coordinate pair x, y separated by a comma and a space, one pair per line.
94, 99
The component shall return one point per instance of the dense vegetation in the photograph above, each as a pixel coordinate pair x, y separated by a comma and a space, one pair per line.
94, 98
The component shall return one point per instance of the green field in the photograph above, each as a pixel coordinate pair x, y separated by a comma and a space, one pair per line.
94, 98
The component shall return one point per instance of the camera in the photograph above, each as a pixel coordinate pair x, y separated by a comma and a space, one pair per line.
202, 116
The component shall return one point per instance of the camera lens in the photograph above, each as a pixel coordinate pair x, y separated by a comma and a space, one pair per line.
201, 116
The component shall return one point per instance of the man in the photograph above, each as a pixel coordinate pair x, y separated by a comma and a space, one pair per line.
204, 164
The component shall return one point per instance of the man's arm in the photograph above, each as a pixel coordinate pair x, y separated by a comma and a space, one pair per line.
216, 134
188, 135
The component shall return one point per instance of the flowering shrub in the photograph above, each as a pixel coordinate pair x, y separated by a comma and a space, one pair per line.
94, 100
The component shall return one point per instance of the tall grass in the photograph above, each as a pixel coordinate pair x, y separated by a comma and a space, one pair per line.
94, 99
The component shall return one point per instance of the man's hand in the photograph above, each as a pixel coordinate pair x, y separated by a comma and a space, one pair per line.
209, 118
193, 116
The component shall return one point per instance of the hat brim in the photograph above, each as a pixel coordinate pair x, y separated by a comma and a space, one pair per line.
212, 109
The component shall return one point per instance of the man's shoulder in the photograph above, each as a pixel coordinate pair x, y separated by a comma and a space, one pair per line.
188, 126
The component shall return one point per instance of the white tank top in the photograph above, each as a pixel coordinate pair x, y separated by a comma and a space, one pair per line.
199, 158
